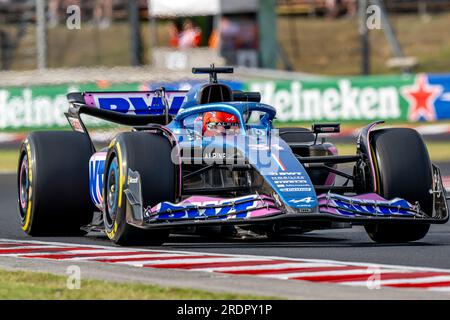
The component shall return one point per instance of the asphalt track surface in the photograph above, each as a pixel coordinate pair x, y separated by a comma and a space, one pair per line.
352, 245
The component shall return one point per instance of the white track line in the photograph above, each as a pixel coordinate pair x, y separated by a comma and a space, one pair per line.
361, 271
135, 257
181, 262
281, 265
442, 289
100, 257
31, 247
417, 280
67, 253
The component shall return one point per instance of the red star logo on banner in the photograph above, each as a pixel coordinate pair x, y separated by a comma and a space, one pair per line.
421, 97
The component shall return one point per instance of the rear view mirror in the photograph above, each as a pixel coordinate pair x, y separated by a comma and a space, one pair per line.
326, 128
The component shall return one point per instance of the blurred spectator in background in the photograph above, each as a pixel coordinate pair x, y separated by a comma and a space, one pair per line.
351, 7
229, 33
332, 8
335, 7
53, 12
102, 13
198, 36
173, 34
213, 41
248, 35
190, 37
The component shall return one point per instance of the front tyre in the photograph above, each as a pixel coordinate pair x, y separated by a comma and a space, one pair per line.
403, 170
149, 155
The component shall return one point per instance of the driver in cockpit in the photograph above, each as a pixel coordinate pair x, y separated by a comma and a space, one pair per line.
219, 123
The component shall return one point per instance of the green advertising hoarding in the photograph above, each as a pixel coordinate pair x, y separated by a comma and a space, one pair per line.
411, 98
43, 106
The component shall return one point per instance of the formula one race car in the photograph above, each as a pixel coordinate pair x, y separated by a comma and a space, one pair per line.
210, 157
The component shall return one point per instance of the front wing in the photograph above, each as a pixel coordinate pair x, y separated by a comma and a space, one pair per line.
263, 209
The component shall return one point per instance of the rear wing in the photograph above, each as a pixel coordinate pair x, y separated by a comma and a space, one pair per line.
134, 108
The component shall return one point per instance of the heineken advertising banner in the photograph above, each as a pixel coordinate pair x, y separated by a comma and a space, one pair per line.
412, 98
43, 106
422, 97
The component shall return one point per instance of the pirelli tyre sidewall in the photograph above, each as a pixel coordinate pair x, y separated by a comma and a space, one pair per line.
149, 155
403, 170
25, 178
53, 183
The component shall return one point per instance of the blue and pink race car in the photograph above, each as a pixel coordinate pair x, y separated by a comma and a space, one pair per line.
210, 157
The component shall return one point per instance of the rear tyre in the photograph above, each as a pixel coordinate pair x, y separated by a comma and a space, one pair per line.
53, 183
403, 170
150, 155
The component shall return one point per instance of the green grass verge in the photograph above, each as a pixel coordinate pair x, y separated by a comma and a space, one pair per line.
8, 160
34, 285
439, 152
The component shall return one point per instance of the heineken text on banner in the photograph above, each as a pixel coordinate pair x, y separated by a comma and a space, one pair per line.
413, 98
